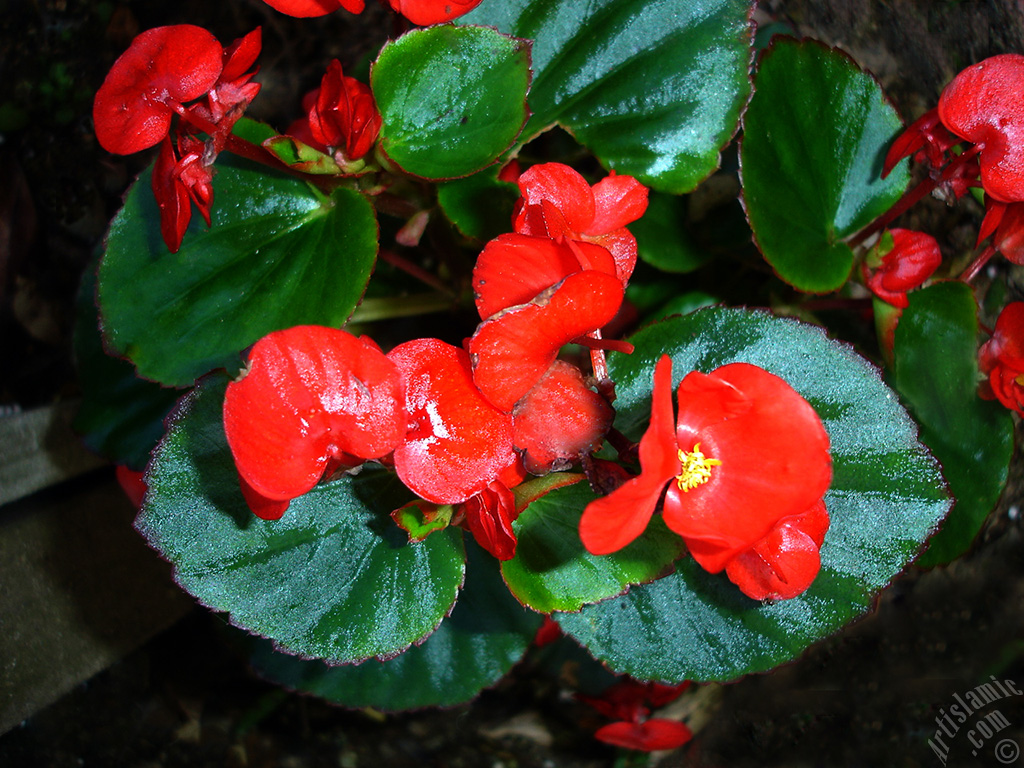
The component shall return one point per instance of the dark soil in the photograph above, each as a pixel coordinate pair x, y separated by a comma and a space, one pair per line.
869, 696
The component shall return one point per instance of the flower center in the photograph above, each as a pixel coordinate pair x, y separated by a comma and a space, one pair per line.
696, 469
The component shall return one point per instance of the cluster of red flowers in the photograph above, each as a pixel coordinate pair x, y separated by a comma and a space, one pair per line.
422, 12
150, 83
459, 426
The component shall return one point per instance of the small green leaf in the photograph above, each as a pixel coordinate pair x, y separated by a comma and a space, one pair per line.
480, 206
452, 98
279, 254
553, 572
936, 372
420, 518
653, 89
301, 156
814, 137
886, 498
333, 579
486, 634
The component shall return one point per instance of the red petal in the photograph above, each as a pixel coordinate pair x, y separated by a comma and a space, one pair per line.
774, 454
649, 736
132, 483
1010, 233
261, 506
310, 8
1001, 358
559, 420
613, 521
513, 349
985, 104
163, 66
513, 269
241, 55
426, 12
457, 443
561, 186
912, 260
783, 564
172, 198
311, 393
618, 201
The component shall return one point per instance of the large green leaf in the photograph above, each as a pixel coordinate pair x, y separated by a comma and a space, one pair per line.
886, 498
553, 572
452, 98
278, 254
333, 579
814, 137
654, 89
487, 633
936, 372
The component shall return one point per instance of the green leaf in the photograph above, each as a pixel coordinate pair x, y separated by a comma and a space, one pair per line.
452, 98
121, 416
480, 206
553, 572
333, 579
662, 238
936, 372
486, 634
654, 90
814, 137
301, 156
278, 254
886, 498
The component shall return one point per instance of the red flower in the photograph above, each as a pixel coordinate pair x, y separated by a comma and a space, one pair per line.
1002, 359
162, 69
311, 8
344, 115
984, 104
312, 397
426, 12
489, 517
557, 202
926, 138
628, 703
911, 259
649, 735
456, 444
747, 452
177, 183
514, 349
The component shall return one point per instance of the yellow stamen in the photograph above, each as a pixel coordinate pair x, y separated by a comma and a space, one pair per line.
696, 469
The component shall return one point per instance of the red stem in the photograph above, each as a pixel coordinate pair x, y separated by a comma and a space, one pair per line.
398, 262
976, 266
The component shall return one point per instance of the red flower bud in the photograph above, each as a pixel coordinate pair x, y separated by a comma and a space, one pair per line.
913, 258
489, 517
311, 395
344, 115
984, 104
162, 68
1002, 359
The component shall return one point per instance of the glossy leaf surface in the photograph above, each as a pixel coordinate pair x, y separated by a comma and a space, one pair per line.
278, 254
971, 437
486, 634
814, 137
654, 89
887, 496
553, 572
452, 98
334, 578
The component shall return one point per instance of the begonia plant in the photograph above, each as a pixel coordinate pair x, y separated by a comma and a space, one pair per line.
392, 509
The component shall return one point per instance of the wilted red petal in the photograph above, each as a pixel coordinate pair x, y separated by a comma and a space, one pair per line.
456, 443
311, 393
310, 8
649, 736
774, 454
513, 349
985, 105
783, 564
559, 420
1009, 238
613, 521
426, 12
513, 269
489, 516
163, 66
